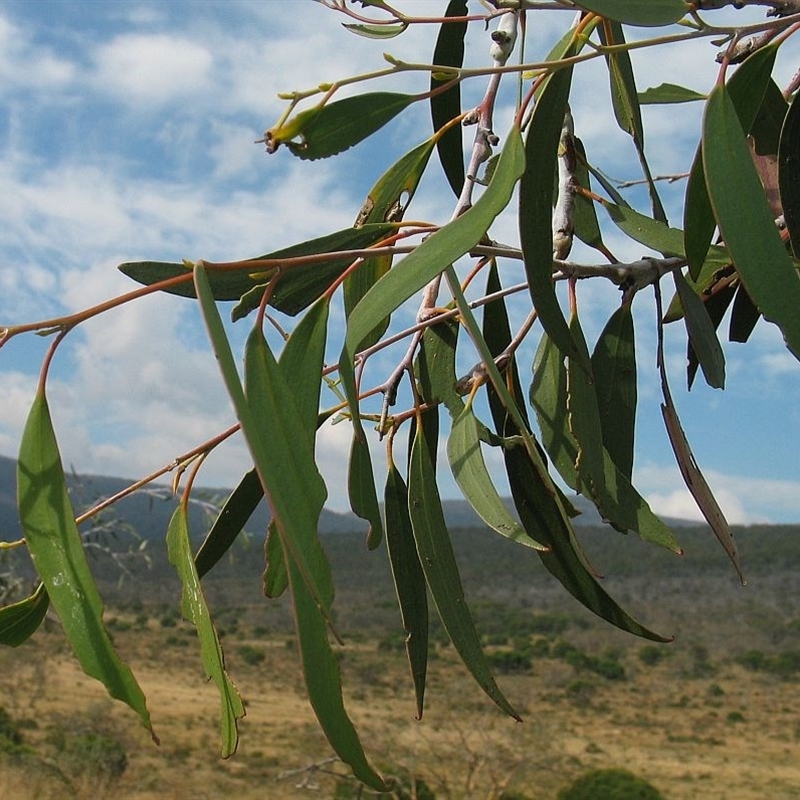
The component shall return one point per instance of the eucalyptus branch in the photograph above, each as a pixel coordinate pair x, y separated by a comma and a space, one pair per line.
632, 276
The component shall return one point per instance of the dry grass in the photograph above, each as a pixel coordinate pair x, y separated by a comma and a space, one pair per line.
730, 734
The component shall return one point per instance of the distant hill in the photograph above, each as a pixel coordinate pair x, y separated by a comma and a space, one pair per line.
148, 512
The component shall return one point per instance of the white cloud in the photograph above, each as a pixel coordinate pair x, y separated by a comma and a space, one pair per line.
153, 68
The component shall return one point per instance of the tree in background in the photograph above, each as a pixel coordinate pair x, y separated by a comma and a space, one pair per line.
572, 425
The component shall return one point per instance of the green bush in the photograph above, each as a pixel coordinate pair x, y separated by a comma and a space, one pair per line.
610, 784
509, 661
651, 654
251, 655
92, 754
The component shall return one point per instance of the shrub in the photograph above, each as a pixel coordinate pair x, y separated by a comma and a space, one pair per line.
610, 784
251, 655
651, 655
508, 661
92, 754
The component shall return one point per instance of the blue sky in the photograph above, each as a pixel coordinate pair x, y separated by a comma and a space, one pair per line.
127, 132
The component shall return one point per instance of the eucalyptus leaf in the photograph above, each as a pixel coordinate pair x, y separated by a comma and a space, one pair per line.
669, 93
748, 230
20, 620
56, 548
195, 610
449, 51
639, 12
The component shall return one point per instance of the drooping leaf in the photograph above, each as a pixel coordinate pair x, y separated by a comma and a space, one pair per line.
409, 580
299, 286
326, 130
625, 101
361, 489
587, 228
230, 521
441, 570
438, 251
449, 51
548, 395
599, 478
19, 621
646, 13
56, 548
789, 173
195, 610
536, 204
694, 479
769, 121
473, 478
669, 93
744, 316
748, 229
614, 371
324, 683
747, 86
276, 578
386, 202
716, 301
702, 334
377, 31
281, 446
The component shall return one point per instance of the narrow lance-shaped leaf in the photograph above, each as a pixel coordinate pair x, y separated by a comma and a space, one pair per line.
55, 545
474, 480
536, 199
19, 621
276, 578
279, 443
614, 371
299, 286
625, 101
441, 570
639, 12
387, 201
617, 500
789, 172
669, 93
434, 255
195, 610
361, 489
702, 336
747, 86
446, 105
748, 230
326, 130
230, 521
409, 580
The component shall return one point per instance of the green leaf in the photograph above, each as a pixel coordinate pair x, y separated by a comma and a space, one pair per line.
747, 87
744, 316
324, 683
361, 489
387, 201
536, 204
409, 580
299, 285
326, 130
716, 301
702, 336
645, 13
195, 610
625, 101
377, 31
745, 221
616, 499
472, 476
441, 570
230, 521
449, 51
769, 121
564, 560
433, 256
587, 228
669, 93
281, 446
789, 173
614, 371
276, 578
548, 395
19, 621
56, 548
